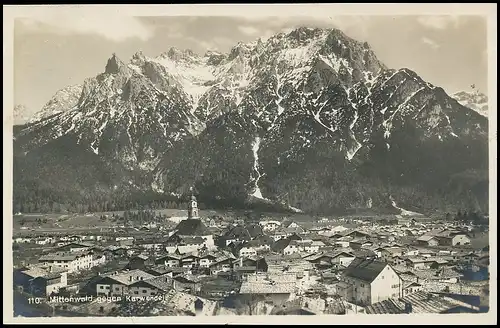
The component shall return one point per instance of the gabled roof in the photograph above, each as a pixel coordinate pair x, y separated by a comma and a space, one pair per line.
366, 270
129, 277
254, 230
168, 256
344, 253
390, 306
162, 283
204, 256
192, 227
280, 245
238, 232
426, 238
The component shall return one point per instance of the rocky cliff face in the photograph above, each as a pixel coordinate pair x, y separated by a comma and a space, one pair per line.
311, 119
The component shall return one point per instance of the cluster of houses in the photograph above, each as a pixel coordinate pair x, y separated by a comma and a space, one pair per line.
315, 270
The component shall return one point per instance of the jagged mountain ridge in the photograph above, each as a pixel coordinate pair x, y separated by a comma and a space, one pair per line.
475, 100
63, 100
257, 121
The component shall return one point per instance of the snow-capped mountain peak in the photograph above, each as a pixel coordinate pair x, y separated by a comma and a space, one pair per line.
62, 101
474, 100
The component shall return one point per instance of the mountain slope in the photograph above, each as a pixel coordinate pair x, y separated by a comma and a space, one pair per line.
311, 119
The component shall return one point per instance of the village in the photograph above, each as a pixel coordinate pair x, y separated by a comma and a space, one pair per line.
205, 266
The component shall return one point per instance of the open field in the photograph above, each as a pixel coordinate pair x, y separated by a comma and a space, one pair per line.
76, 222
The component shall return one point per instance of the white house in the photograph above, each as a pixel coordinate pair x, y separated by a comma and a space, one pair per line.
313, 246
74, 247
411, 251
412, 287
460, 239
248, 251
44, 240
22, 240
71, 261
99, 260
206, 260
39, 281
367, 281
118, 283
124, 238
292, 248
428, 240
270, 225
292, 225
343, 258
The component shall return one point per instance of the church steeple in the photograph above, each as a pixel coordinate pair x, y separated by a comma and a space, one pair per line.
193, 206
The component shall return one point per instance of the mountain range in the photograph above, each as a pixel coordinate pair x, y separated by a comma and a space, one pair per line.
310, 120
475, 100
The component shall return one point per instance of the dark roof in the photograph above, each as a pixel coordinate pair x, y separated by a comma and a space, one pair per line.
366, 270
280, 245
265, 240
157, 270
192, 227
389, 306
162, 283
190, 240
356, 233
362, 252
238, 232
254, 230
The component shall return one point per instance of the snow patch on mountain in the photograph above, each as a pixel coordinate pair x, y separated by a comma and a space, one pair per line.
403, 211
294, 209
255, 149
192, 72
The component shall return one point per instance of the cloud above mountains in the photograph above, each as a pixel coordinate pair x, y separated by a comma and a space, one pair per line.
113, 28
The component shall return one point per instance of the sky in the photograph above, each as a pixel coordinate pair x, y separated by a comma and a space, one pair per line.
52, 52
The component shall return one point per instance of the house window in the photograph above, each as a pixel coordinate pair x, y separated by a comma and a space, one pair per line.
136, 292
144, 291
362, 285
117, 289
107, 287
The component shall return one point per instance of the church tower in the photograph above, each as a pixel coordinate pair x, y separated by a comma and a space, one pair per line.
193, 207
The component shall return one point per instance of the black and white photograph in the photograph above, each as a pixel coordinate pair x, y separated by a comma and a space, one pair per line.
221, 165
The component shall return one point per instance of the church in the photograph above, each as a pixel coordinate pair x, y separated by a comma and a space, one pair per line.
191, 234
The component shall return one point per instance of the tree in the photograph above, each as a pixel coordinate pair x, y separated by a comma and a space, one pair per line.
247, 304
